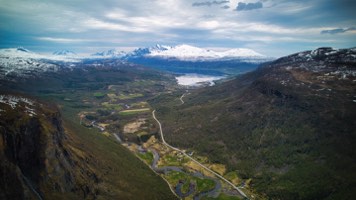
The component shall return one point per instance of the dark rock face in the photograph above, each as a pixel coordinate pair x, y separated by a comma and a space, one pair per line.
21, 148
34, 159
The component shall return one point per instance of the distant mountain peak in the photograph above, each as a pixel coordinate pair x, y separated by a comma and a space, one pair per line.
114, 53
22, 49
17, 52
160, 47
64, 53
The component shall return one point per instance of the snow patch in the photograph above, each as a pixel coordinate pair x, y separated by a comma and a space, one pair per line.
13, 102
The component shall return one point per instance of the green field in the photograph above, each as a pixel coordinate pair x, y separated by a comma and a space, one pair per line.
147, 157
99, 94
129, 96
133, 112
110, 106
222, 196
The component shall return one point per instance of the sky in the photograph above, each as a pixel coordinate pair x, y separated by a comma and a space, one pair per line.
271, 27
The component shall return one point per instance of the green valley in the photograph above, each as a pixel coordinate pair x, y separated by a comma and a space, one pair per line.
283, 131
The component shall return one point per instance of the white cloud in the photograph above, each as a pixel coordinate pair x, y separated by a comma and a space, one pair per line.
61, 40
102, 25
212, 24
137, 22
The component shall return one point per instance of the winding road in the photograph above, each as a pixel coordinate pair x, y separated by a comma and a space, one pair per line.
192, 159
181, 98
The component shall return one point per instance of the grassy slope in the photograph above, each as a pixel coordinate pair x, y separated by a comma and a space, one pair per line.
123, 176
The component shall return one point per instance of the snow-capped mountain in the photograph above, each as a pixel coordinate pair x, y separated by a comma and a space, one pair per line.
112, 53
191, 53
143, 52
23, 53
186, 53
25, 63
19, 52
22, 62
64, 53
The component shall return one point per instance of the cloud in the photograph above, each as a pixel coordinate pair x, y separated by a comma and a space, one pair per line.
104, 25
61, 40
248, 6
209, 3
136, 23
337, 30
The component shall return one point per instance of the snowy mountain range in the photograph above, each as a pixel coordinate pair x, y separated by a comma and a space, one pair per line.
183, 59
189, 59
180, 52
186, 53
180, 59
22, 62
20, 52
25, 63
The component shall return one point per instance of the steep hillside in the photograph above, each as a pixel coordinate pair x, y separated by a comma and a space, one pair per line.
288, 128
42, 158
36, 159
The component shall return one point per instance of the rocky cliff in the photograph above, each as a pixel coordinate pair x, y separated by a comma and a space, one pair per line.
36, 160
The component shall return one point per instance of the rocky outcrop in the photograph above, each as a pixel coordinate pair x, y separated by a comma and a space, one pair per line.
36, 161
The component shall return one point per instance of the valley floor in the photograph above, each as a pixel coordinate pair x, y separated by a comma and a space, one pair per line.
189, 175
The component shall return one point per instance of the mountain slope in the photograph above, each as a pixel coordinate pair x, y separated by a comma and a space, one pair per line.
288, 127
44, 158
36, 159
